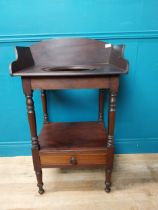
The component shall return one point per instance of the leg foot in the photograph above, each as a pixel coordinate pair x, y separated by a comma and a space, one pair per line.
39, 182
41, 190
108, 180
107, 187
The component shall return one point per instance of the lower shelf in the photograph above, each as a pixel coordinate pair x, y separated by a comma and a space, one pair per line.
73, 144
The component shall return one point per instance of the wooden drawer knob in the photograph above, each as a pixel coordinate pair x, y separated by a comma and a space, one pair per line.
73, 160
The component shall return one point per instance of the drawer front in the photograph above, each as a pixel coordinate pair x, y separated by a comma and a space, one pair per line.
73, 158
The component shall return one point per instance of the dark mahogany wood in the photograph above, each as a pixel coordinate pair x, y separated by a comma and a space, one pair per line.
76, 159
33, 130
73, 144
70, 57
101, 104
73, 136
69, 64
110, 143
52, 83
44, 105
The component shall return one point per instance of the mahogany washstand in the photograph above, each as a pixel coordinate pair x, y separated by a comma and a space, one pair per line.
71, 63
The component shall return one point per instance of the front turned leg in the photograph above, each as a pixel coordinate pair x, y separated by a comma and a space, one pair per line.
108, 170
35, 144
108, 180
110, 143
39, 181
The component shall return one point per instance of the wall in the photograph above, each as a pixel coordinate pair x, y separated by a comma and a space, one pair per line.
133, 23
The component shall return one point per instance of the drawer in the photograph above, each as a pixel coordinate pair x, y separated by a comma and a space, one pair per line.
60, 159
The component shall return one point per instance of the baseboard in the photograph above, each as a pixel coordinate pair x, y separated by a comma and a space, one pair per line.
9, 149
132, 146
123, 146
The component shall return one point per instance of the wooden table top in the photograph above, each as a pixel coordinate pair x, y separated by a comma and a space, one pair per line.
69, 57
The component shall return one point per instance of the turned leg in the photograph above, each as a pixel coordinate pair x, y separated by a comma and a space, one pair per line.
33, 130
101, 105
44, 105
35, 144
110, 143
